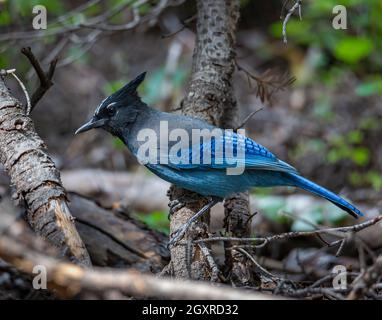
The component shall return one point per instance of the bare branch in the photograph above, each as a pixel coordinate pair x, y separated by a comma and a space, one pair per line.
186, 24
13, 73
338, 232
296, 6
45, 78
70, 280
247, 118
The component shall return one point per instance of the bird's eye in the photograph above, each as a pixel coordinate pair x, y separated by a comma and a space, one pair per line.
110, 109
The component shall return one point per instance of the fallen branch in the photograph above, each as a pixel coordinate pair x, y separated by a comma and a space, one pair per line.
36, 179
113, 239
70, 280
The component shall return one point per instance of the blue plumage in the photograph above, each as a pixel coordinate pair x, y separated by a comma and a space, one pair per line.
262, 169
123, 114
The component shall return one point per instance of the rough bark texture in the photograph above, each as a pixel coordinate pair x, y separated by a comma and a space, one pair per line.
115, 240
237, 224
70, 280
210, 97
36, 179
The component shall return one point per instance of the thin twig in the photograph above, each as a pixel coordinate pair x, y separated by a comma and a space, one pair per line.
186, 24
294, 234
45, 78
259, 268
297, 5
246, 119
13, 73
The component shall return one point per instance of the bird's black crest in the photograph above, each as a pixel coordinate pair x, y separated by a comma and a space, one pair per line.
130, 89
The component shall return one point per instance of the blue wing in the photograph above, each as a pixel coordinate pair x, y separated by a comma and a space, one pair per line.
227, 151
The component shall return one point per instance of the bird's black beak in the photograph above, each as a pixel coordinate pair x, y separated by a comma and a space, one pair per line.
91, 124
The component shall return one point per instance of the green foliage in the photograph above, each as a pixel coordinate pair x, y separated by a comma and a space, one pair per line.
360, 42
352, 49
307, 220
369, 87
113, 86
371, 177
5, 18
312, 213
310, 146
156, 220
322, 108
325, 213
152, 88
271, 207
348, 147
24, 7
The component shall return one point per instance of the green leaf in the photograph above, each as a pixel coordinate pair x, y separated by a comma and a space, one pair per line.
369, 88
375, 179
355, 136
156, 220
353, 49
323, 108
361, 156
112, 86
271, 207
297, 30
5, 18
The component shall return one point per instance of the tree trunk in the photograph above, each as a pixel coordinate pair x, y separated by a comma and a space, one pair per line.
210, 97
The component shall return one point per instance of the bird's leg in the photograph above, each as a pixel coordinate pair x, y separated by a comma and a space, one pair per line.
178, 234
181, 202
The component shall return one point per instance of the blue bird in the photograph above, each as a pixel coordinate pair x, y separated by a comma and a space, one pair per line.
184, 162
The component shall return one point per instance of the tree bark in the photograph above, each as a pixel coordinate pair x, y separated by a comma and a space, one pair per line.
210, 97
36, 179
69, 280
115, 240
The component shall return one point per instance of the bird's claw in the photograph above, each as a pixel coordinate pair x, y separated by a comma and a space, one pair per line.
178, 235
178, 204
175, 205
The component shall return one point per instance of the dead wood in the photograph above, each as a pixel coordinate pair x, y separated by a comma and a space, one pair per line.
130, 190
36, 179
116, 240
68, 280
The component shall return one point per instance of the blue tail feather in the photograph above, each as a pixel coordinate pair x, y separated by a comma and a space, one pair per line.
310, 186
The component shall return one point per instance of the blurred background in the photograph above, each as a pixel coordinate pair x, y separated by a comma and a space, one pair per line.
327, 123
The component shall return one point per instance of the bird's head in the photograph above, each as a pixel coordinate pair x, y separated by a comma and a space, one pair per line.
118, 110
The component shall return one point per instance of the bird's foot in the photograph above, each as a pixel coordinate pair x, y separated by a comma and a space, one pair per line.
175, 205
179, 233
180, 203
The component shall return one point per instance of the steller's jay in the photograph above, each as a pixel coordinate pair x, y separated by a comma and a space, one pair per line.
124, 115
